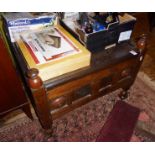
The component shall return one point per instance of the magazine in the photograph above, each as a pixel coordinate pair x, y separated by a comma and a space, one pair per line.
48, 44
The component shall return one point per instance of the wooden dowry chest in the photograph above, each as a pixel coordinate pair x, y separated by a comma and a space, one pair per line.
109, 70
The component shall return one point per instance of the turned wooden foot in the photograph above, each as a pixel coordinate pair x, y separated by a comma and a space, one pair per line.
123, 94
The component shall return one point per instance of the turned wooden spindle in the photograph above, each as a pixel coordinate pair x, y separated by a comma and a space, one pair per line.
141, 43
34, 80
40, 99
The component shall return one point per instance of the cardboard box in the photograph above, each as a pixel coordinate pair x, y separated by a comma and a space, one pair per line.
105, 38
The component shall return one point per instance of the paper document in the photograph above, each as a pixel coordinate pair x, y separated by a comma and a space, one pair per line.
48, 44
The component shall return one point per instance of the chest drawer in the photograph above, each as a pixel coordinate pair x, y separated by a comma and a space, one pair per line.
124, 70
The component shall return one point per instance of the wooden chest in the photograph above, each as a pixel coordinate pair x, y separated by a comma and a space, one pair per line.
109, 70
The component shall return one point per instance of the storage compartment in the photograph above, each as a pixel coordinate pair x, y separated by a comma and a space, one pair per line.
106, 38
82, 92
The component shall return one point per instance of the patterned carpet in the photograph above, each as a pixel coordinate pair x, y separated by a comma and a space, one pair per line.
84, 123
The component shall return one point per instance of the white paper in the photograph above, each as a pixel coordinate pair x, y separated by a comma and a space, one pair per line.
42, 50
124, 35
133, 52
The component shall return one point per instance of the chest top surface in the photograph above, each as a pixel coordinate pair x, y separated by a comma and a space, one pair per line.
100, 60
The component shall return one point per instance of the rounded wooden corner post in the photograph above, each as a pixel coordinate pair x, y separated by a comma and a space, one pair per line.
142, 45
142, 48
40, 99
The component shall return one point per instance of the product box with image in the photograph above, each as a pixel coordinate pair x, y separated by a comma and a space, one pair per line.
18, 22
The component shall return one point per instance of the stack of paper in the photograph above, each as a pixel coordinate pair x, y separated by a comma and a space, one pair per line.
53, 51
48, 44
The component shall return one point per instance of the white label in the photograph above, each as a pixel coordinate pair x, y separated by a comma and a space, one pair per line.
124, 35
133, 52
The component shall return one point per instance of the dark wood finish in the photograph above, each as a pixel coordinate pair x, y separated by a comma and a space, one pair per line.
12, 95
34, 80
142, 48
109, 70
39, 95
151, 18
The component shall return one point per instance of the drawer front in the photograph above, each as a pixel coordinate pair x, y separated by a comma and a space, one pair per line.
78, 90
77, 84
124, 70
91, 86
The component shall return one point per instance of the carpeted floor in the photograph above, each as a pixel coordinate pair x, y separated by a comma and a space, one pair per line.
85, 123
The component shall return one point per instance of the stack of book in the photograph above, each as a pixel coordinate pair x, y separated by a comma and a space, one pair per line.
53, 51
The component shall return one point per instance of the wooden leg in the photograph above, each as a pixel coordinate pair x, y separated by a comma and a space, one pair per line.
39, 99
42, 108
27, 111
123, 94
